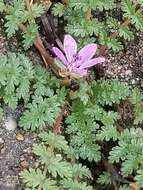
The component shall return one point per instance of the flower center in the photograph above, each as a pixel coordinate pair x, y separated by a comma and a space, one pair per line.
73, 63
76, 57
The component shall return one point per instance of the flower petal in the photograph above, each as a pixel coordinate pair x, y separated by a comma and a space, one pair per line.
81, 72
60, 55
87, 52
70, 47
92, 62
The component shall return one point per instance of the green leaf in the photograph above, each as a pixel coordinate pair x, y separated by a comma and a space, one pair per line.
50, 185
80, 171
81, 128
2, 6
75, 185
37, 10
30, 35
113, 24
16, 17
107, 92
83, 92
128, 8
11, 25
130, 165
33, 178
56, 141
1, 113
56, 166
84, 28
96, 4
129, 150
126, 33
124, 187
114, 44
40, 112
136, 99
58, 9
139, 178
108, 133
104, 179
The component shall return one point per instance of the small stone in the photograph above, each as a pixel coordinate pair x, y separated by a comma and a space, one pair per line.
24, 164
128, 72
2, 151
141, 69
133, 81
22, 158
131, 57
28, 150
140, 52
10, 124
19, 137
1, 141
142, 83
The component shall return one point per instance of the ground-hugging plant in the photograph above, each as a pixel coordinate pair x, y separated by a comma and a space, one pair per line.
109, 22
33, 87
129, 152
93, 124
57, 169
19, 16
137, 100
89, 121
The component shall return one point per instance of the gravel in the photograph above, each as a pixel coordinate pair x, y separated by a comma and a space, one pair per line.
15, 144
127, 66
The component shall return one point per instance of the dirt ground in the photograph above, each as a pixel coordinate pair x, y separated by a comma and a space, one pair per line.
15, 145
127, 65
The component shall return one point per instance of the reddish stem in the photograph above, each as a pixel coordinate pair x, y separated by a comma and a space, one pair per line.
58, 123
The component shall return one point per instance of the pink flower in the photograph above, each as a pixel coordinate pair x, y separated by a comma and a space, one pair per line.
77, 62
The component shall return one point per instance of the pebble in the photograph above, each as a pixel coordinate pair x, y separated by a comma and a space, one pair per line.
133, 81
10, 124
19, 137
141, 69
24, 164
128, 72
1, 141
28, 150
142, 83
2, 151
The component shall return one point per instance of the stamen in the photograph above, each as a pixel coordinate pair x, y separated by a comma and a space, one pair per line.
76, 57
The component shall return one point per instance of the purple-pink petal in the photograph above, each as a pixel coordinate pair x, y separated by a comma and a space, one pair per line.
60, 55
87, 52
92, 62
70, 47
81, 72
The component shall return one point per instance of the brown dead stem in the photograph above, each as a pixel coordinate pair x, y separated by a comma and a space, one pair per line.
59, 120
47, 58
